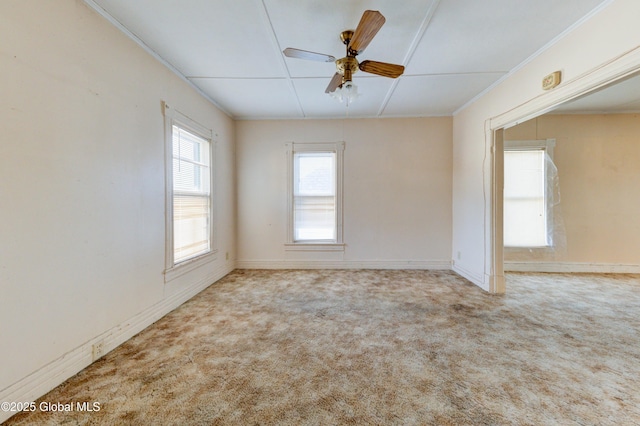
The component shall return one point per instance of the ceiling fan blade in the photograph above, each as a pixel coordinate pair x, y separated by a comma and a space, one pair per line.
382, 68
305, 54
369, 25
335, 82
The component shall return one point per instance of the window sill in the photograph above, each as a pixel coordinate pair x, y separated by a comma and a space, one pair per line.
188, 266
314, 247
528, 247
524, 251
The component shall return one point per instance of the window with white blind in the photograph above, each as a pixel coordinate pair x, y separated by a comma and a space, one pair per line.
189, 194
315, 196
527, 222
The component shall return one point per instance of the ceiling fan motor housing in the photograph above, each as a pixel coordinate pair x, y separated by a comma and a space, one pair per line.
347, 66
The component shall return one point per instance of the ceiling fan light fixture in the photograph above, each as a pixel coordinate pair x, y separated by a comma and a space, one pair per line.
341, 87
346, 94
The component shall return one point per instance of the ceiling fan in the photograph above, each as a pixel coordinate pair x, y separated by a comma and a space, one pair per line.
356, 41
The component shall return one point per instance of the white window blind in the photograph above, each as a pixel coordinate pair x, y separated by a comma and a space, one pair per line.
191, 195
525, 205
314, 196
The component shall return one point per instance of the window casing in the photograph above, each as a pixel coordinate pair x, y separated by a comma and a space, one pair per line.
528, 198
189, 193
314, 196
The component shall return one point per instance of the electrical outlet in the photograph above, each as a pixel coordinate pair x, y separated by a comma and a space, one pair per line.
226, 255
97, 350
459, 255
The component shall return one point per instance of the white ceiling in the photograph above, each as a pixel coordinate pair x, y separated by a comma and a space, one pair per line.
453, 50
617, 98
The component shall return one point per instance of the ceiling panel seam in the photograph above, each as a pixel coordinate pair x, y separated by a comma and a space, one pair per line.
283, 63
410, 52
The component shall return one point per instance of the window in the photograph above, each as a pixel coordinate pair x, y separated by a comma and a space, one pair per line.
315, 196
527, 198
189, 194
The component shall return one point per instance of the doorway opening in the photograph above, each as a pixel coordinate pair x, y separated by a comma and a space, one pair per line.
533, 121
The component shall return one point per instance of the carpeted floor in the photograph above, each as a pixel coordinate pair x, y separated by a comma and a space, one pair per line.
375, 347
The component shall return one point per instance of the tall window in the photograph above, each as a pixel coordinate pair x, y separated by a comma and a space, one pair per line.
191, 195
315, 196
527, 222
189, 183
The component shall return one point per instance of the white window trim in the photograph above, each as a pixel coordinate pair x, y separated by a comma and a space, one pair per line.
526, 145
174, 270
338, 149
546, 144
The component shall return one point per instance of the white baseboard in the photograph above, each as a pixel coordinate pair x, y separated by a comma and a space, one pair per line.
51, 375
474, 278
343, 264
617, 268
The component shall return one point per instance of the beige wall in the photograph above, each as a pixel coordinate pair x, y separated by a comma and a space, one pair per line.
82, 181
607, 36
82, 189
397, 191
598, 162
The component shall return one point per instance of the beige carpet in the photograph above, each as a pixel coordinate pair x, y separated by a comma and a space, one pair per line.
375, 347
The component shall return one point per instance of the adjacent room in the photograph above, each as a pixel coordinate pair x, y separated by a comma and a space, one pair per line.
588, 175
320, 212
